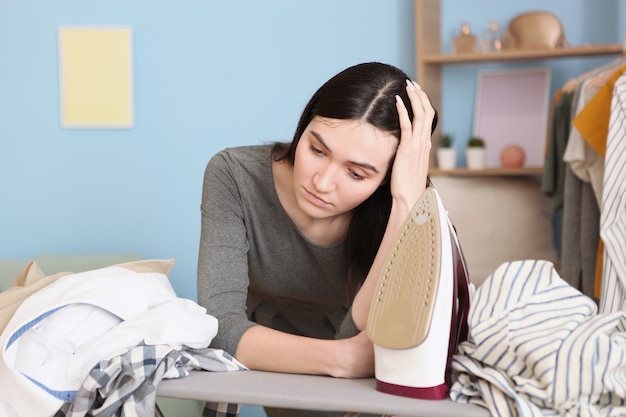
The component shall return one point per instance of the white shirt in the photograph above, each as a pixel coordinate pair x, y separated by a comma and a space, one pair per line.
60, 332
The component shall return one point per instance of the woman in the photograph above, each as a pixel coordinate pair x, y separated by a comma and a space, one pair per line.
294, 234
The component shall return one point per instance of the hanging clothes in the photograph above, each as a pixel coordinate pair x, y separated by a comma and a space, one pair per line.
580, 236
553, 181
581, 213
564, 109
591, 130
593, 120
587, 160
583, 160
578, 204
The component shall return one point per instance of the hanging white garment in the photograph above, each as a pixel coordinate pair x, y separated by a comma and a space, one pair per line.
613, 211
61, 331
583, 160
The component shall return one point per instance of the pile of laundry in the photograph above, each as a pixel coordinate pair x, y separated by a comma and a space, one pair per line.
99, 342
538, 347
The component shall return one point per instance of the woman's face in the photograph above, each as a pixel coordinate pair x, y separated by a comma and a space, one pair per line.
339, 164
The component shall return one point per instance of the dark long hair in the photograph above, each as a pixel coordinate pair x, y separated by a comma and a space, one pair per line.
363, 92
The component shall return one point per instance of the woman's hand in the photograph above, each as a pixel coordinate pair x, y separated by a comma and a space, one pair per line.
356, 357
410, 168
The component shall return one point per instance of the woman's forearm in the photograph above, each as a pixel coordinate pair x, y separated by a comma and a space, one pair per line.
265, 349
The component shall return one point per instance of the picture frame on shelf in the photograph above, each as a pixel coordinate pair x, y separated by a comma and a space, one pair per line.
512, 108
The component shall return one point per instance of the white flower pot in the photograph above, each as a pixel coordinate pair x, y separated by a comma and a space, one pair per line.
475, 158
446, 158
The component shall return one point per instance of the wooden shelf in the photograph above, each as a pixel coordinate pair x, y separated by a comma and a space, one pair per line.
521, 54
429, 62
496, 171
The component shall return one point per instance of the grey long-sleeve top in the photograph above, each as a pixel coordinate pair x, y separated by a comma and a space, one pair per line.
255, 266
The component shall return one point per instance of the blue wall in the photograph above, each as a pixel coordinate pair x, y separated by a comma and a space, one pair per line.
207, 74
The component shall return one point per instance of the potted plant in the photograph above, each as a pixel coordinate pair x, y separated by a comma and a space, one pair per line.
475, 153
446, 153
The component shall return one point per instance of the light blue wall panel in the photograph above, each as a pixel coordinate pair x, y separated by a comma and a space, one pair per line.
207, 74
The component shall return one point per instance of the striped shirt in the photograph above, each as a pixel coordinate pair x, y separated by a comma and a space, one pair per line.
613, 213
538, 347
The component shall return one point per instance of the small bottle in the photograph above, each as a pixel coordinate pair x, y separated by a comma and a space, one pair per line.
465, 42
493, 37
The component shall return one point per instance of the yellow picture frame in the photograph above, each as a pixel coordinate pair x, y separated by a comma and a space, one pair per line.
96, 77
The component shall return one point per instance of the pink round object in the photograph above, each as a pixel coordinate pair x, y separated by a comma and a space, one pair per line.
513, 156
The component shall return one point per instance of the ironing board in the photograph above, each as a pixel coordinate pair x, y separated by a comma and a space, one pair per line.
307, 392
